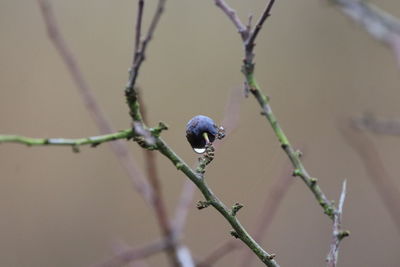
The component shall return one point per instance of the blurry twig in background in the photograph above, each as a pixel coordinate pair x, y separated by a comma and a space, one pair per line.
380, 24
118, 147
274, 197
337, 233
375, 169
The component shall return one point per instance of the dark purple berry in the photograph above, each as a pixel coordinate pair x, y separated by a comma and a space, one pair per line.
199, 131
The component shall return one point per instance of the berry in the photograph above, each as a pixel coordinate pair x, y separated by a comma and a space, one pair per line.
201, 130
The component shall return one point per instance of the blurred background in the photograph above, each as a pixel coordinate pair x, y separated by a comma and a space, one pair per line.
60, 208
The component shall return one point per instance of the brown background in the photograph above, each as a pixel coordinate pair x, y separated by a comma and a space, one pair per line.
58, 208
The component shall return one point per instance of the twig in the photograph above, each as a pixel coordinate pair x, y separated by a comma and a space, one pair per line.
130, 255
120, 150
138, 33
337, 233
375, 169
92, 140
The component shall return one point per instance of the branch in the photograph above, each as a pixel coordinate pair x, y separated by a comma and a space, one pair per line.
337, 234
92, 141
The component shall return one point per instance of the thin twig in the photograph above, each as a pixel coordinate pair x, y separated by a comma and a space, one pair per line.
337, 233
119, 148
92, 140
385, 185
138, 33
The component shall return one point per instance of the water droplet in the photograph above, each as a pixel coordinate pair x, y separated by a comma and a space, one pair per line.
199, 150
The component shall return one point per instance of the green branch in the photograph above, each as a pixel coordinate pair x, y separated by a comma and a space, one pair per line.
93, 140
